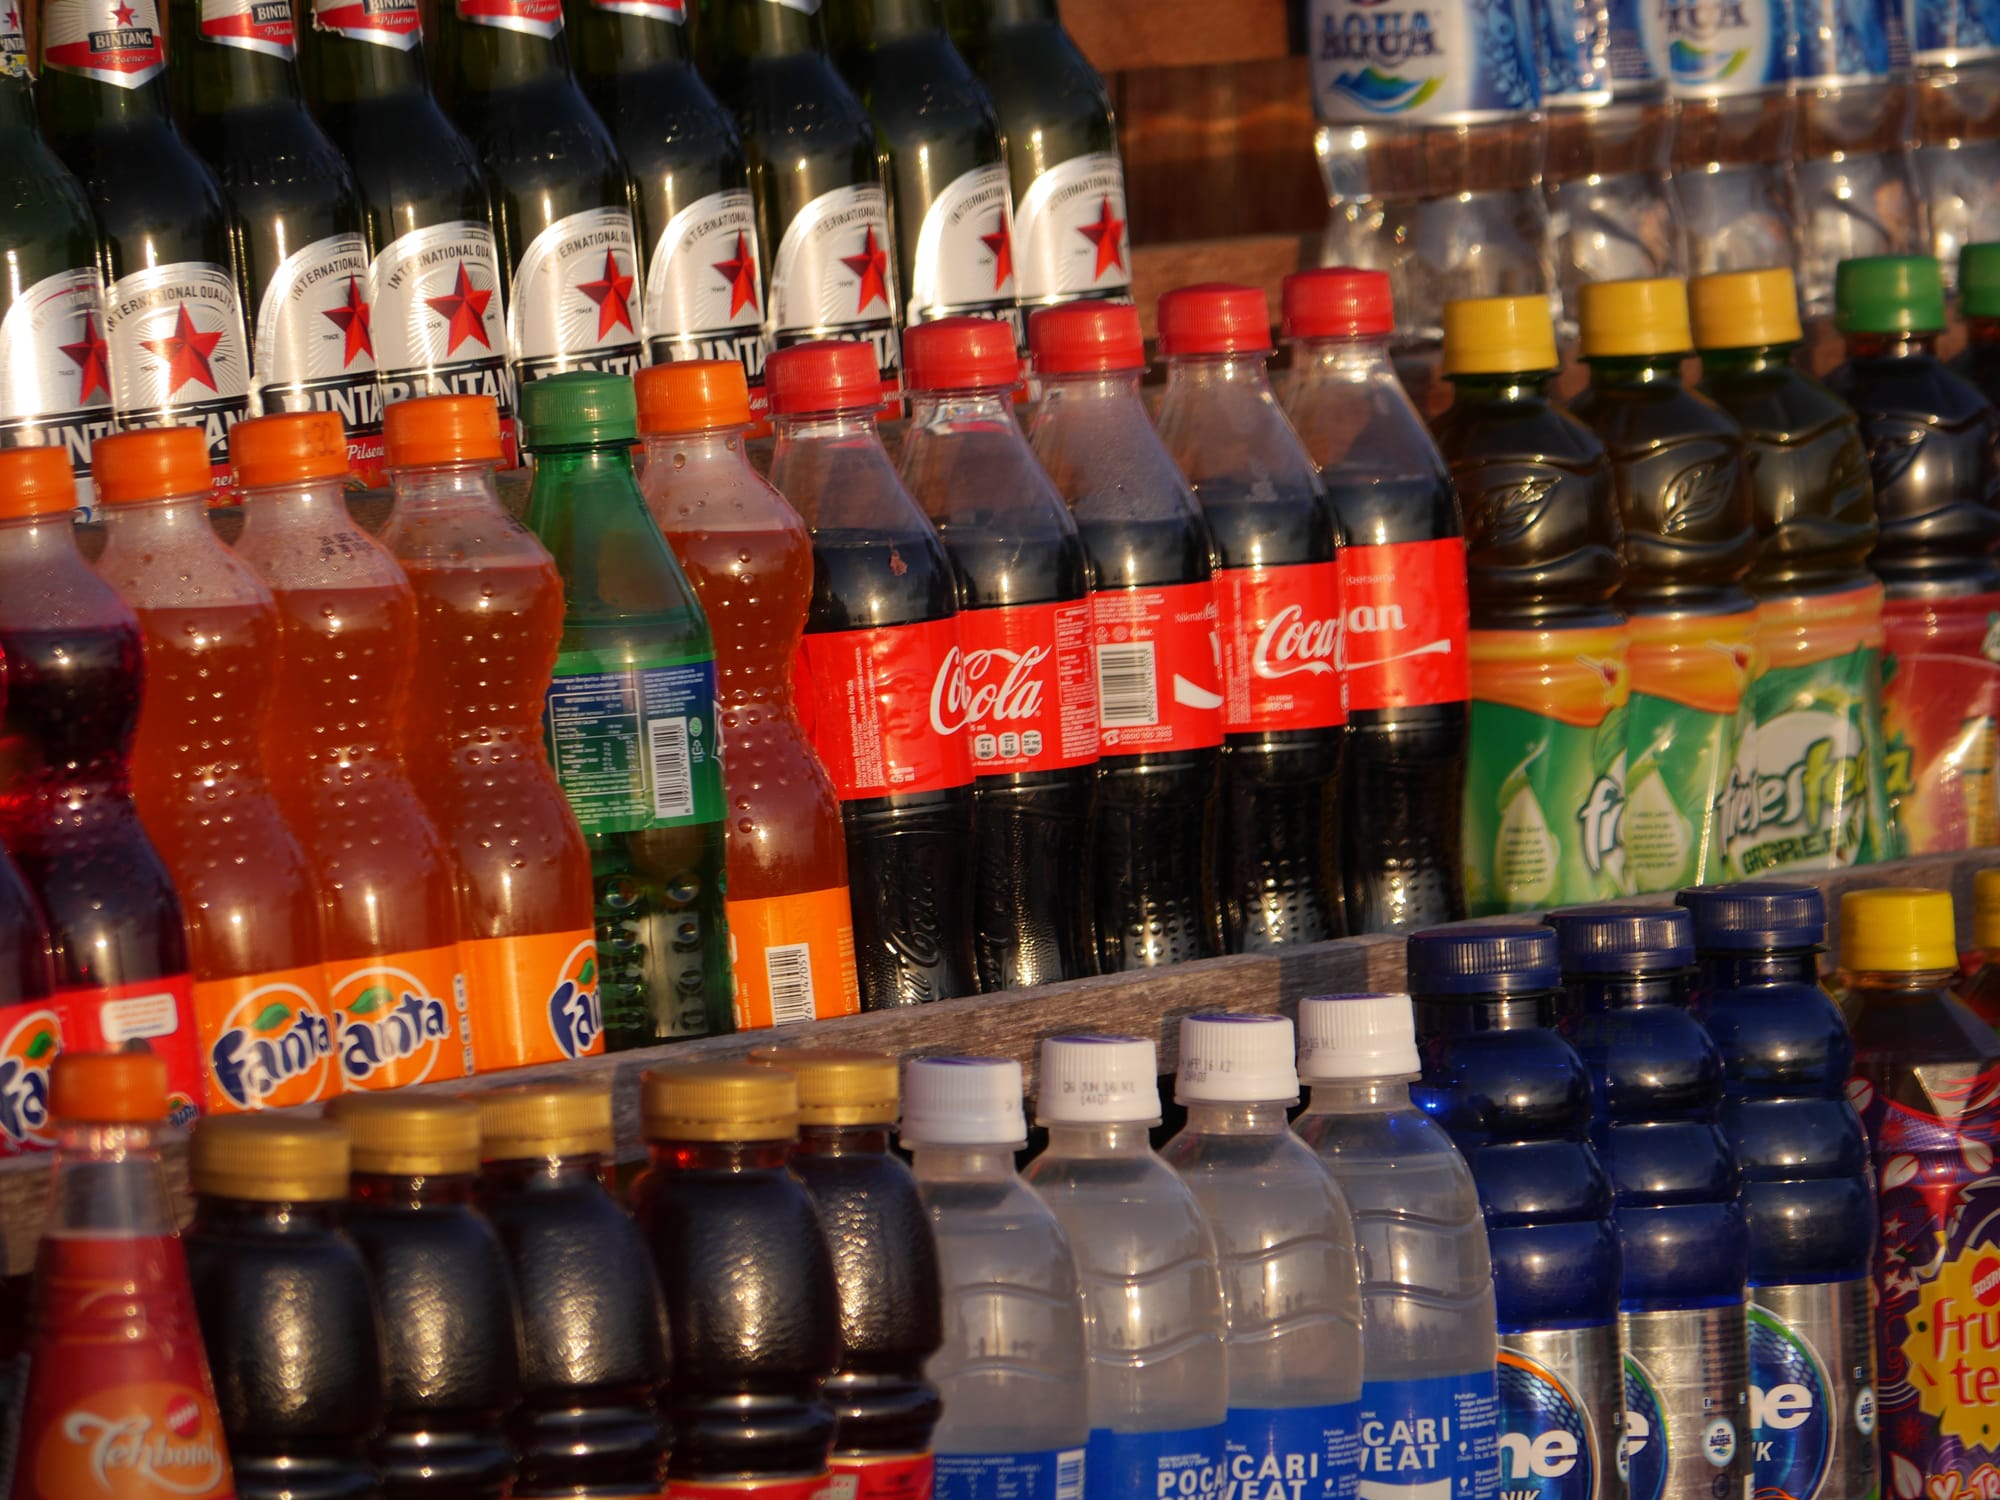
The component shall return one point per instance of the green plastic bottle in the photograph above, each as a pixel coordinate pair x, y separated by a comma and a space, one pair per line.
631, 718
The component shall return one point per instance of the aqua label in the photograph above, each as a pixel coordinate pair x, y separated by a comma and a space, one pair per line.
1425, 63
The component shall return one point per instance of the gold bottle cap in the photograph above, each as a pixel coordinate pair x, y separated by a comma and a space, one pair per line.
410, 1135
526, 1120
1896, 930
269, 1159
1499, 336
1743, 309
839, 1085
1986, 909
1645, 315
718, 1102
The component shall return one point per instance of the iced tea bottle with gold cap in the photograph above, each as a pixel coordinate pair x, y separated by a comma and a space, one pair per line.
1545, 781
1684, 503
1979, 984
336, 743
749, 558
119, 1400
200, 777
287, 1311
489, 620
1927, 1085
885, 1265
751, 1298
1806, 788
594, 1330
450, 1322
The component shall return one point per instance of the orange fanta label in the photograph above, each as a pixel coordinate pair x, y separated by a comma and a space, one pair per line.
400, 1019
30, 1037
794, 958
267, 1040
533, 999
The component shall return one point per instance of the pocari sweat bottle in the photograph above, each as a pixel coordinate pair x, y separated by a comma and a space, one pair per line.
1146, 1272
1285, 1244
1429, 1419
1012, 1371
1516, 1099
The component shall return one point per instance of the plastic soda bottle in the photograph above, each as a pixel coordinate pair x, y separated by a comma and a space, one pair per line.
630, 718
748, 557
1806, 790
1926, 1077
74, 657
1807, 1197
1979, 306
1955, 48
1684, 497
335, 742
118, 1399
1545, 787
1980, 986
30, 1025
1013, 1370
201, 781
1284, 1242
489, 620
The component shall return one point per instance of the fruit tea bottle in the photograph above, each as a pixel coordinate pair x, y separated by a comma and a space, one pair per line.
1545, 787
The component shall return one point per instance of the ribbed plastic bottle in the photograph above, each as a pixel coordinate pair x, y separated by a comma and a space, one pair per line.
1429, 1419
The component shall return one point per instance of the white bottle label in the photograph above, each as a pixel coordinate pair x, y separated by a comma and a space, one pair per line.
253, 25
965, 250
674, 12
314, 348
1419, 62
13, 42
704, 299
113, 41
1070, 238
834, 275
177, 349
576, 304
55, 366
385, 23
543, 18
439, 325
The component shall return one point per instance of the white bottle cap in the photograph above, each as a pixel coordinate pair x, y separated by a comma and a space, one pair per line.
1357, 1036
963, 1101
1098, 1080
1236, 1060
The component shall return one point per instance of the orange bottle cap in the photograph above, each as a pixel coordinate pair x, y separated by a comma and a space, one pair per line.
288, 448
151, 464
123, 1088
430, 430
35, 482
692, 395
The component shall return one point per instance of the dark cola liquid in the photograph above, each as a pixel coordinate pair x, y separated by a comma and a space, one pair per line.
294, 1345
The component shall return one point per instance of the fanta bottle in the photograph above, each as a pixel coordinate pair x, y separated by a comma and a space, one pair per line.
489, 619
119, 1401
749, 558
198, 774
75, 665
347, 618
30, 1028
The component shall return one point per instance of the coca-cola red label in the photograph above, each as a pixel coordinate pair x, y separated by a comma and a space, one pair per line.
1159, 670
1029, 690
886, 708
1280, 632
1405, 618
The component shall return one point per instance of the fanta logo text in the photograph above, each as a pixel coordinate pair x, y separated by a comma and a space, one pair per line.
183, 1460
24, 1100
1600, 816
1388, 37
993, 686
368, 1043
1291, 643
1412, 1443
1550, 1455
1701, 18
250, 1068
1276, 1476
575, 1017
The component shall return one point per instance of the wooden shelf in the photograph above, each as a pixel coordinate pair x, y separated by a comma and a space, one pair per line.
1120, 34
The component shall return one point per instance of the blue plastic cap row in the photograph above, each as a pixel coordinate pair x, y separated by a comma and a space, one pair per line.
1621, 939
1466, 960
1748, 916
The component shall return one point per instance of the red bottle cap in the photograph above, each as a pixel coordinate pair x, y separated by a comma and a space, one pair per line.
1215, 317
290, 447
126, 1088
35, 482
961, 354
828, 375
129, 467
427, 431
692, 395
1338, 303
1085, 338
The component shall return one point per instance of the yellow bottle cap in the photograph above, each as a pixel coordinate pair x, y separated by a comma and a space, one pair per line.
1741, 309
526, 1120
1647, 315
1986, 909
718, 1102
410, 1135
1896, 930
269, 1159
839, 1085
1498, 336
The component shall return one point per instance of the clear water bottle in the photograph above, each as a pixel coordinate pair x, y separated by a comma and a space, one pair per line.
1012, 1369
1955, 48
1145, 1260
1430, 1411
1285, 1243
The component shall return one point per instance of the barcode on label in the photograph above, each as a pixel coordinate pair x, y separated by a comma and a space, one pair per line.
1069, 1474
788, 972
1128, 693
673, 776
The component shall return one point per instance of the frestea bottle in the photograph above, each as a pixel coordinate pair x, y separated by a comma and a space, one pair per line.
1285, 1243
1806, 1189
1926, 1077
1657, 1093
1516, 1099
1429, 1419
1145, 1259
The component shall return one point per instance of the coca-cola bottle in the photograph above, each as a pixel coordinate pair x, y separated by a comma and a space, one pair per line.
1030, 705
878, 690
1277, 598
1151, 861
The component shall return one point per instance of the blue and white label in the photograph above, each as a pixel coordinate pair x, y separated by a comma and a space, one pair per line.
1053, 1474
1812, 1391
1294, 1452
1560, 1392
1186, 1464
1447, 62
1432, 1439
1714, 49
1632, 67
1575, 53
1645, 1455
1848, 41
1946, 33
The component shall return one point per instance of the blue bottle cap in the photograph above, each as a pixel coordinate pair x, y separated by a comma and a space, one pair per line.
1621, 939
1475, 960
1749, 916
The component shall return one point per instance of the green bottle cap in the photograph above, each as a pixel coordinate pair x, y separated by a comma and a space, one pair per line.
1979, 281
1889, 294
582, 409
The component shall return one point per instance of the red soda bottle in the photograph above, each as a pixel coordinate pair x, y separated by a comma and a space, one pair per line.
30, 1028
75, 670
119, 1401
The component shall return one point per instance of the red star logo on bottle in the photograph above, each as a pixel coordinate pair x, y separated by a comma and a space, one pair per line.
463, 311
186, 351
122, 13
872, 266
354, 318
1001, 243
612, 292
92, 357
740, 271
1107, 233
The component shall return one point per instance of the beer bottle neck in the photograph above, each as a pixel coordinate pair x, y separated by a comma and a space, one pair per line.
212, 78
74, 104
1020, 12
482, 59
17, 103
345, 70
869, 23
765, 28
610, 42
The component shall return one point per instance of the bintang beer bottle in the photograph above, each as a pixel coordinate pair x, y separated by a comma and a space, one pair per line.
173, 323
690, 180
295, 216
559, 193
1070, 239
947, 161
